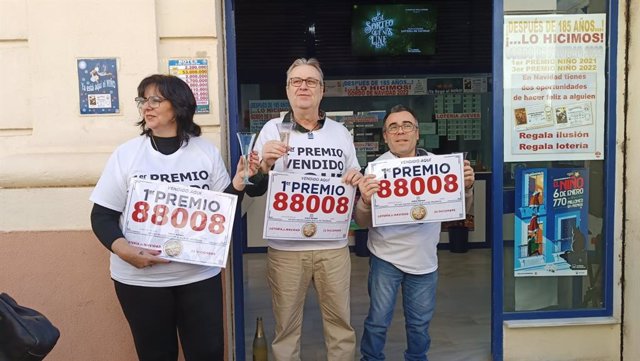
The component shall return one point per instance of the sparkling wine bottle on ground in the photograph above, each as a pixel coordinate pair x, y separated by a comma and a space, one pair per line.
260, 350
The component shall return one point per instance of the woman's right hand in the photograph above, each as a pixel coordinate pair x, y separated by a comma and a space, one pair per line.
271, 151
137, 257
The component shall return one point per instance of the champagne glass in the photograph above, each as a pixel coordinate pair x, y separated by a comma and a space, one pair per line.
246, 140
285, 130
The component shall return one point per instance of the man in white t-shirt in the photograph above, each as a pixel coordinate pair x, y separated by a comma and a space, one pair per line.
323, 147
403, 255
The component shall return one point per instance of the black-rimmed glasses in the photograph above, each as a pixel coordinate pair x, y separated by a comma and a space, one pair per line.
311, 82
154, 101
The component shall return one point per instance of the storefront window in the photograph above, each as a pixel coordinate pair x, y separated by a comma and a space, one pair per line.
454, 111
554, 150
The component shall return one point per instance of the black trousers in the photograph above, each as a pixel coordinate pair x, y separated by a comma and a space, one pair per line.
194, 310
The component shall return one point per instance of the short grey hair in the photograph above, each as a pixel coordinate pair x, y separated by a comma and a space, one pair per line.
303, 61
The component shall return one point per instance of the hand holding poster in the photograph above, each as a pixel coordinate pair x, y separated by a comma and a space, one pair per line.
307, 207
418, 190
186, 224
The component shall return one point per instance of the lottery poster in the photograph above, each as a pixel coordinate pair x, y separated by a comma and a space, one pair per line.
554, 87
551, 222
186, 224
418, 190
307, 207
98, 86
194, 72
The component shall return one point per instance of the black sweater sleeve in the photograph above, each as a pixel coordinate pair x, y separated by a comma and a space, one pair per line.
260, 184
231, 190
104, 222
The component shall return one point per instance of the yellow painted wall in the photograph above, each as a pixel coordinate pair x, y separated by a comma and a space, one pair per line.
632, 194
51, 156
563, 343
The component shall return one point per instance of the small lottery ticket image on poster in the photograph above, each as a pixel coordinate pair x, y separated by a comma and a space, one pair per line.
574, 115
533, 117
551, 222
186, 224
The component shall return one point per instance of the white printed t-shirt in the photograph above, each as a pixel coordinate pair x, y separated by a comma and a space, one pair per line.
410, 247
329, 153
197, 164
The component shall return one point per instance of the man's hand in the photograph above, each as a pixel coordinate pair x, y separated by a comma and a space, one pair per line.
271, 152
352, 176
469, 175
368, 186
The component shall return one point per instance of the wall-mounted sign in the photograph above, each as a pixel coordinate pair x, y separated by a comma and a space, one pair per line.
194, 72
554, 87
261, 111
375, 87
98, 86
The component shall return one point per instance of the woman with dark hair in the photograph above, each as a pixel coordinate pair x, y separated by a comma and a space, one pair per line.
161, 298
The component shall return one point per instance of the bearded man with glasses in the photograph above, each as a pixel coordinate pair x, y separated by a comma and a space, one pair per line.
319, 146
401, 255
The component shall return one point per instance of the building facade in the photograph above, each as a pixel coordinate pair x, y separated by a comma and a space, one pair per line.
53, 149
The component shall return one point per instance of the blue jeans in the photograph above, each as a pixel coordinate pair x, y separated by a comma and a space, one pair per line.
418, 302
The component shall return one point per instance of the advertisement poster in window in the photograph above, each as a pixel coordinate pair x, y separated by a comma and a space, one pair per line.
194, 72
554, 87
551, 222
374, 87
98, 86
261, 111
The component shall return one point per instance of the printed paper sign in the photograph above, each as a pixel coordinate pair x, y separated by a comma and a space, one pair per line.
98, 86
551, 222
307, 208
554, 87
418, 190
261, 111
194, 72
186, 224
375, 87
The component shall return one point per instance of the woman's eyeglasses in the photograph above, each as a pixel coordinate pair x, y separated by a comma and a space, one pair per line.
154, 101
311, 82
395, 128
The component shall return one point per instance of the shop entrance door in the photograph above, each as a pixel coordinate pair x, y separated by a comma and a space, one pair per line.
458, 85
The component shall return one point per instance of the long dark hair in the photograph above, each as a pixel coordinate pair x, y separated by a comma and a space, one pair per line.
178, 93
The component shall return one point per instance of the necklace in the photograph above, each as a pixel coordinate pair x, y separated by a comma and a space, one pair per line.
153, 143
310, 133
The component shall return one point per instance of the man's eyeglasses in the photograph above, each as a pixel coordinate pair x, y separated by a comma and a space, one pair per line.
154, 101
406, 128
311, 82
